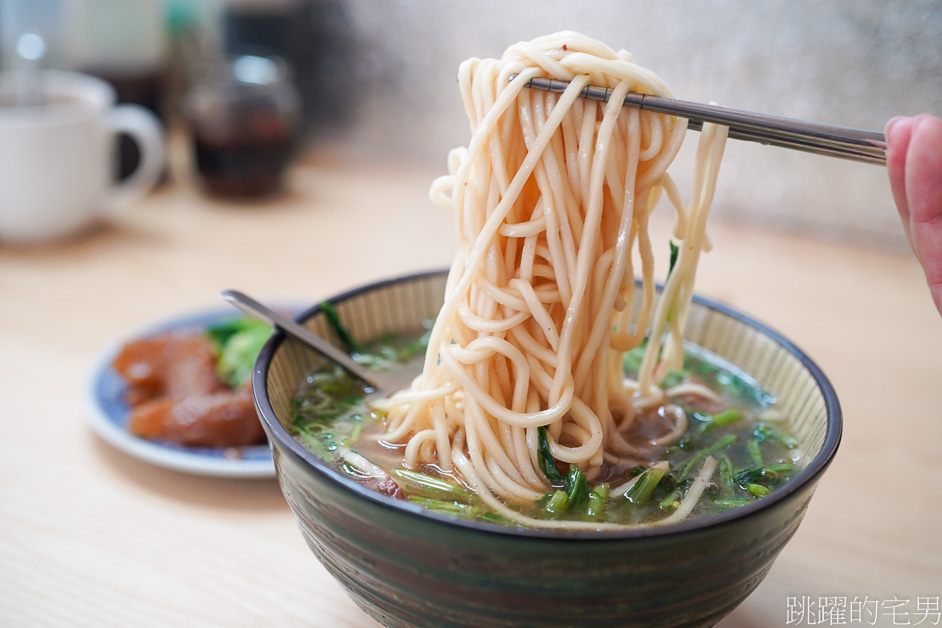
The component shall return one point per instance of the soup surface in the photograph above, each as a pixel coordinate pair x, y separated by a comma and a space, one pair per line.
739, 436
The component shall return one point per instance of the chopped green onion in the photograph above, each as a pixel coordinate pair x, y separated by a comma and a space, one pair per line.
557, 503
674, 251
432, 484
718, 445
750, 475
440, 505
757, 490
725, 417
743, 388
672, 500
642, 490
762, 475
316, 444
755, 454
577, 487
596, 502
726, 469
765, 431
334, 319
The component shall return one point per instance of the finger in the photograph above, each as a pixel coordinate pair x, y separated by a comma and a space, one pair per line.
898, 133
924, 194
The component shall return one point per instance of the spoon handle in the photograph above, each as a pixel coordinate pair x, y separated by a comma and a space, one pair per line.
253, 308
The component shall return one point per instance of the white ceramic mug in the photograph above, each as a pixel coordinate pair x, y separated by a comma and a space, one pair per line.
57, 160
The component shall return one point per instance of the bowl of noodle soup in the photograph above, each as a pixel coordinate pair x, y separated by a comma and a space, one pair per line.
577, 444
408, 566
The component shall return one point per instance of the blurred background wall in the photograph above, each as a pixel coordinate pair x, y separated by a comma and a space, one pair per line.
377, 78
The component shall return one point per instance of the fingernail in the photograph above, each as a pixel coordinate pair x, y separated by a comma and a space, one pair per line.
920, 120
894, 125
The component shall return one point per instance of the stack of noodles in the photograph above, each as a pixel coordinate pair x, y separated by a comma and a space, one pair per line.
551, 201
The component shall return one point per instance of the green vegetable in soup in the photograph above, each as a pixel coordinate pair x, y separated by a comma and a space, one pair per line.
757, 490
431, 485
577, 487
752, 446
545, 458
642, 490
698, 456
673, 261
764, 431
753, 456
713, 421
443, 506
726, 469
672, 500
342, 334
557, 503
595, 503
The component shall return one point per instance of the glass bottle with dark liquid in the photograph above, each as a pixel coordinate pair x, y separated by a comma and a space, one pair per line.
242, 126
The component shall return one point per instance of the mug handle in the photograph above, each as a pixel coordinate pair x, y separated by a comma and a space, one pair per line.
143, 127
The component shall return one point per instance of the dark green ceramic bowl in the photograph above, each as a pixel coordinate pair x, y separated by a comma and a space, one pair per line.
408, 567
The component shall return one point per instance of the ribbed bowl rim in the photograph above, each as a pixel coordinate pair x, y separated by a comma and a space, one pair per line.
810, 474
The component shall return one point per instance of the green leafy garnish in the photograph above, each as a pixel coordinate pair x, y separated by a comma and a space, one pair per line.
577, 487
442, 506
674, 251
755, 454
765, 431
432, 485
712, 421
757, 490
237, 343
672, 500
642, 490
726, 469
557, 503
334, 320
545, 458
595, 503
716, 446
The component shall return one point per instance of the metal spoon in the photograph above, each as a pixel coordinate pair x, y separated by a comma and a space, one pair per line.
379, 383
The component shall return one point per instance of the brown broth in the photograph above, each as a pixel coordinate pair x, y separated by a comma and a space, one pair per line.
760, 456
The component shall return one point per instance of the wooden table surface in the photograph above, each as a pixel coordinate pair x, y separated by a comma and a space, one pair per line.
90, 536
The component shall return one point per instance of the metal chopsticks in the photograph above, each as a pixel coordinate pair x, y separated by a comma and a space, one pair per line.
812, 137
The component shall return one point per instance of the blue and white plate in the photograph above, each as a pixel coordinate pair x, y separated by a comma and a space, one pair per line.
108, 415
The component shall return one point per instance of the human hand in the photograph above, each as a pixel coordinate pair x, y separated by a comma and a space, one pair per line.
914, 165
